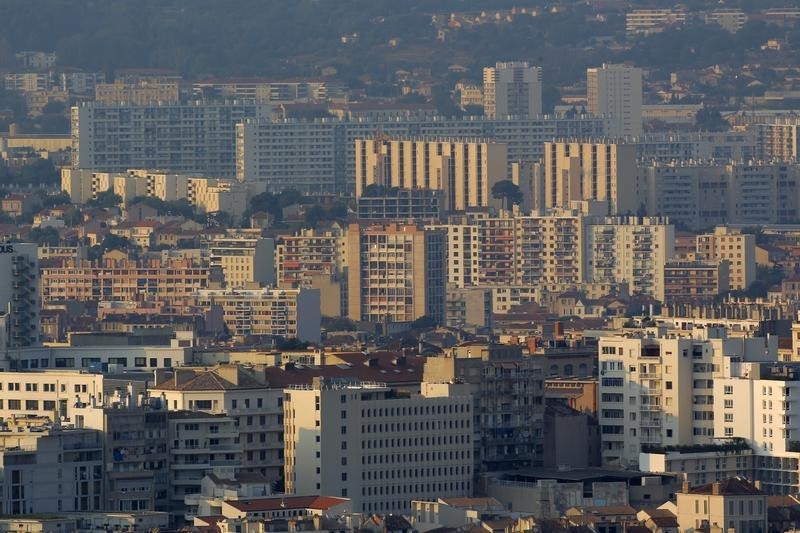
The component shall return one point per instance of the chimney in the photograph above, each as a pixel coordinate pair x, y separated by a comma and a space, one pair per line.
757, 483
533, 344
715, 488
558, 329
685, 486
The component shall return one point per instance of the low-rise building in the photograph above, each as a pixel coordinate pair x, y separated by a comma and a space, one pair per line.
731, 504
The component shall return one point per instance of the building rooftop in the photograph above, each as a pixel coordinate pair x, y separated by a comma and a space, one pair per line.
287, 502
735, 486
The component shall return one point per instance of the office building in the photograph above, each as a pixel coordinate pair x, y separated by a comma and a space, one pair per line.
465, 170
395, 273
598, 170
19, 293
267, 312
615, 91
632, 251
320, 156
512, 89
735, 247
507, 391
196, 137
245, 258
378, 448
240, 394
47, 470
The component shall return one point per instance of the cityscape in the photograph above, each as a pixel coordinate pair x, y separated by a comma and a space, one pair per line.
422, 266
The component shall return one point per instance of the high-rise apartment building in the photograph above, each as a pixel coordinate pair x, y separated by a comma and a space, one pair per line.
735, 247
19, 293
659, 389
395, 273
702, 194
615, 91
507, 389
378, 448
320, 156
512, 89
597, 170
758, 403
465, 170
631, 250
196, 137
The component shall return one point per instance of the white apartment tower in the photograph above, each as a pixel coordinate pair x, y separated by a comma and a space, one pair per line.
615, 91
382, 450
658, 389
512, 89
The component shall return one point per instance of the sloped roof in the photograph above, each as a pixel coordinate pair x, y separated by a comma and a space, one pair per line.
286, 502
734, 486
210, 380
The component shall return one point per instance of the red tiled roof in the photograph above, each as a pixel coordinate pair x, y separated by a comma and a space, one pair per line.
288, 502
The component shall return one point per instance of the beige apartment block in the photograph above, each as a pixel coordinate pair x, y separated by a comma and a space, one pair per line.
245, 257
735, 247
144, 92
396, 273
288, 313
465, 169
599, 170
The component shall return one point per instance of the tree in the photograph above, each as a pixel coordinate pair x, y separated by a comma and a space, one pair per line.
507, 190
53, 200
115, 242
105, 199
47, 236
710, 119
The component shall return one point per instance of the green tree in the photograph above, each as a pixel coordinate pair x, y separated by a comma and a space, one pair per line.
508, 191
45, 236
710, 119
105, 199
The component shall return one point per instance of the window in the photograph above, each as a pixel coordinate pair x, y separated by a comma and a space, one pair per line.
202, 404
14, 404
139, 361
31, 405
728, 389
669, 385
728, 417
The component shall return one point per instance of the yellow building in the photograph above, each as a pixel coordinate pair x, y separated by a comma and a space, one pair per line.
464, 169
733, 504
